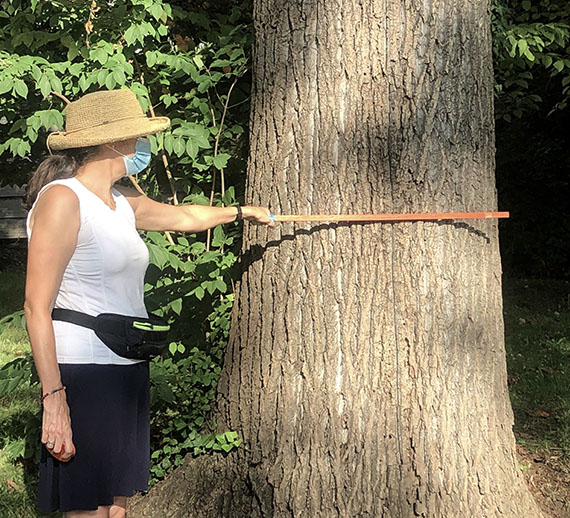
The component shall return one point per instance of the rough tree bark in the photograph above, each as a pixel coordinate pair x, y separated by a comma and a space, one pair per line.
366, 368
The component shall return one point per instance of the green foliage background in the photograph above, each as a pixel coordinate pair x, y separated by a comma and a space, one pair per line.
532, 92
189, 61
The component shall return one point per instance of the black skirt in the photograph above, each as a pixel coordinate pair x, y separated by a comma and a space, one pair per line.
109, 407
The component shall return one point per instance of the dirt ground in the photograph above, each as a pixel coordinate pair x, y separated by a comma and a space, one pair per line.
548, 478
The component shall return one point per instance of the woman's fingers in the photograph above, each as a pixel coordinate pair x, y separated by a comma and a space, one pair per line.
58, 444
68, 450
56, 426
258, 216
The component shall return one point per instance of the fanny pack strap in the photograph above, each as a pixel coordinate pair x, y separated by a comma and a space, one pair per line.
74, 317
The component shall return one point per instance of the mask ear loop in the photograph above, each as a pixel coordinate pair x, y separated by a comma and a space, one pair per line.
116, 150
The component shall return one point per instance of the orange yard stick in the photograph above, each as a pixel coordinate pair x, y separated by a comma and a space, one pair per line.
426, 216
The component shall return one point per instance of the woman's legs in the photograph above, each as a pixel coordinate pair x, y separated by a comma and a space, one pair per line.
119, 507
117, 510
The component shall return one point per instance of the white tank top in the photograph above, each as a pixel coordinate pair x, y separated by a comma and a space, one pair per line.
104, 275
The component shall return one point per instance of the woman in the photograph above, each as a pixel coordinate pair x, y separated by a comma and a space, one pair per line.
86, 255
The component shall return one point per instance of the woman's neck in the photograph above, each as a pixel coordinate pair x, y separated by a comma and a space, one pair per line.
99, 175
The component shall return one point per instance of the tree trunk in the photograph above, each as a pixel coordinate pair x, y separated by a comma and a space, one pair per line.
366, 368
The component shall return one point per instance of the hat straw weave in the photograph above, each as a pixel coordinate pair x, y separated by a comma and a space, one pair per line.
103, 117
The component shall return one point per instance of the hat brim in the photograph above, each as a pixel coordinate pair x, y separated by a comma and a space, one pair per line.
107, 133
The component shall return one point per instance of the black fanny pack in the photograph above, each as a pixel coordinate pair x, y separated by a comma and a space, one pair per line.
136, 338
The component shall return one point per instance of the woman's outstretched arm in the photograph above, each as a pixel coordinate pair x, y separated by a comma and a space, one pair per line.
153, 215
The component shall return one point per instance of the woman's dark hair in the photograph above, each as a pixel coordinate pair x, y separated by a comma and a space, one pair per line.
56, 167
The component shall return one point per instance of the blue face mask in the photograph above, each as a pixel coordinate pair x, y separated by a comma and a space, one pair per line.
137, 163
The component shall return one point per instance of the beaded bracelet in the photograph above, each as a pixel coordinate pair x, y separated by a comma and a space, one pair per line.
50, 393
239, 215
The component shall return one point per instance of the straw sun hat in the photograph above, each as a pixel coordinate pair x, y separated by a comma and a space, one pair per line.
104, 117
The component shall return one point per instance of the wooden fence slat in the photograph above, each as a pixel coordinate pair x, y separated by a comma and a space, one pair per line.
12, 228
12, 214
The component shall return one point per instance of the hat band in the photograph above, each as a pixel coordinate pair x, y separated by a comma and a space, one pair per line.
132, 117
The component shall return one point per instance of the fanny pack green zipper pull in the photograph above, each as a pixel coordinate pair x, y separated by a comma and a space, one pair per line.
147, 326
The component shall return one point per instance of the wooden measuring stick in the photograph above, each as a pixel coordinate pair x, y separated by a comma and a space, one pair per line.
426, 216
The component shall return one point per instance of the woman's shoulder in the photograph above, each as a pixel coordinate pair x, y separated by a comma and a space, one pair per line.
59, 193
57, 202
62, 187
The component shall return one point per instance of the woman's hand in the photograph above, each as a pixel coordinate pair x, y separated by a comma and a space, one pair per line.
56, 426
258, 216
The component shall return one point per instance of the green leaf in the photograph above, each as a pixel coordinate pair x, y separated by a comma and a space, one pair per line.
219, 236
221, 285
15, 449
231, 436
157, 255
199, 292
72, 52
165, 393
21, 88
220, 63
56, 84
523, 47
101, 76
14, 373
110, 82
5, 85
84, 83
35, 72
176, 306
168, 143
202, 142
151, 58
221, 160
119, 76
156, 11
191, 148
204, 84
44, 86
546, 61
179, 146
559, 65
131, 35
229, 196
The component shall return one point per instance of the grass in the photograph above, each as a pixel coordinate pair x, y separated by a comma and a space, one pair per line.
17, 480
17, 411
537, 338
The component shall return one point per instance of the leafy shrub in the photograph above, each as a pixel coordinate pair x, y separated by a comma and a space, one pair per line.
531, 46
192, 67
